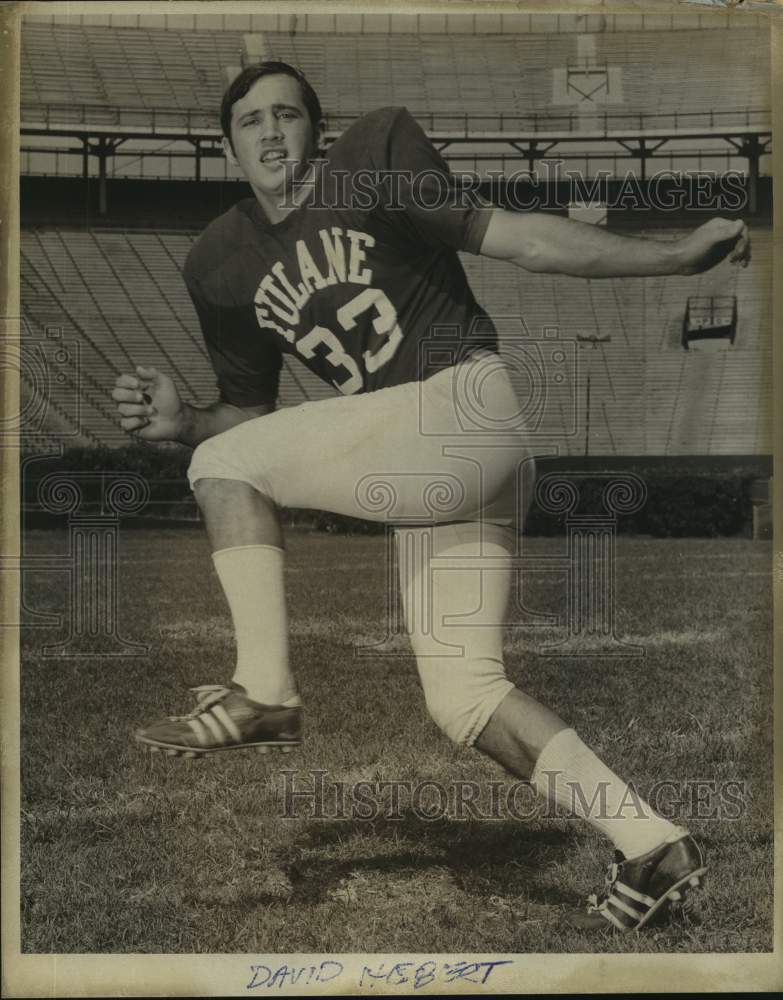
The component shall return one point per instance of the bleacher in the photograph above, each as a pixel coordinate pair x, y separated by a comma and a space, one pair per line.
648, 395
121, 297
125, 67
481, 74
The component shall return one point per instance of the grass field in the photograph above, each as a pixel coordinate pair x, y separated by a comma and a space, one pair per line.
124, 851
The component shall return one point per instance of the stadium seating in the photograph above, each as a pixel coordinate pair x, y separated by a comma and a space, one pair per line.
648, 395
121, 297
479, 74
125, 67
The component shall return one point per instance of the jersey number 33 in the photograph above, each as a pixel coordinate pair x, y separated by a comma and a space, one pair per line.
324, 342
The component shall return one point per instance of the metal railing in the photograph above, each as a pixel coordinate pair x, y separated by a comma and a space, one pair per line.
169, 165
190, 121
467, 125
463, 125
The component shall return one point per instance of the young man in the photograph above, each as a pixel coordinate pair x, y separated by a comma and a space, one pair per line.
353, 268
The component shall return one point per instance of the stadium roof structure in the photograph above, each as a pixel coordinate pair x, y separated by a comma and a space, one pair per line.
671, 16
462, 138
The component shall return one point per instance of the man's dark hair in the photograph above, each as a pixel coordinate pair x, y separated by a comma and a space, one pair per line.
241, 84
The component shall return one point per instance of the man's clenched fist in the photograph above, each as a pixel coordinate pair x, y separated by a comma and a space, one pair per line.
713, 242
149, 405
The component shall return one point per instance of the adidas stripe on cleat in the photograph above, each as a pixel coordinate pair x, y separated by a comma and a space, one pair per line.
636, 890
224, 719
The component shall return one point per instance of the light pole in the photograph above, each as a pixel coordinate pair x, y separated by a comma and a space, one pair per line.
594, 340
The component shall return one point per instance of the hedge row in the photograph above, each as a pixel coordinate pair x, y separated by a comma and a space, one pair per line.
709, 501
675, 507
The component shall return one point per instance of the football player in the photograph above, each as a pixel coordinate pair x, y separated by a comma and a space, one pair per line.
349, 262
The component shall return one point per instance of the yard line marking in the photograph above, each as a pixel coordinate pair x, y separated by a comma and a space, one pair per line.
531, 643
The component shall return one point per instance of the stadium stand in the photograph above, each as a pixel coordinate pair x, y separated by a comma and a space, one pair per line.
125, 67
474, 74
648, 396
120, 295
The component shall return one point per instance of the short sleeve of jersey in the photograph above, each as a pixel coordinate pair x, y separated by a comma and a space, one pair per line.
420, 192
247, 365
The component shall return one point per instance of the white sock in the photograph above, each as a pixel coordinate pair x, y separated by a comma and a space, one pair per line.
252, 580
567, 767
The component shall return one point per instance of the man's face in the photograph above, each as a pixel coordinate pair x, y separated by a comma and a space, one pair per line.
272, 136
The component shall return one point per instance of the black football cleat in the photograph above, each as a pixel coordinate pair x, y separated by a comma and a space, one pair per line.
224, 719
643, 887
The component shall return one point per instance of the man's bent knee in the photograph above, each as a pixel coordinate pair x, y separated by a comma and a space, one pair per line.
236, 513
213, 460
462, 711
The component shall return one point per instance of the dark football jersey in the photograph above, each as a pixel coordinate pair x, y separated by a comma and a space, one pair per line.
356, 281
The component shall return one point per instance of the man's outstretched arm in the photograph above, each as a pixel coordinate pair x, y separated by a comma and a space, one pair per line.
549, 244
